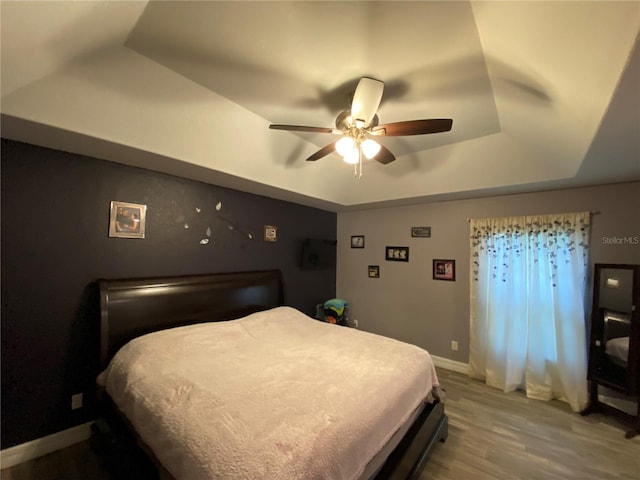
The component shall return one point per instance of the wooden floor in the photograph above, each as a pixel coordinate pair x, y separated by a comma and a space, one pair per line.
496, 435
492, 435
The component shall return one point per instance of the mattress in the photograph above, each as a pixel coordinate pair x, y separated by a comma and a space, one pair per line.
273, 395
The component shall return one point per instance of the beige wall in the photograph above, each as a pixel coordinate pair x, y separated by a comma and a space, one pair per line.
406, 303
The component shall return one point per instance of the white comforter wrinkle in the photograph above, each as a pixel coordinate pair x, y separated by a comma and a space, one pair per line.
275, 395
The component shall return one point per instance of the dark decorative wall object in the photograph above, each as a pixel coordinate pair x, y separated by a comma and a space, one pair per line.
55, 244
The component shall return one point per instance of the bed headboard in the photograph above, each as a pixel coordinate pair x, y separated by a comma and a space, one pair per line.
130, 308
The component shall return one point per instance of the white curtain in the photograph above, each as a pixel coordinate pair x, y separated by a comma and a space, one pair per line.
528, 279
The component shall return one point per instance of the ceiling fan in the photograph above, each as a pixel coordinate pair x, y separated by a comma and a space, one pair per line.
357, 124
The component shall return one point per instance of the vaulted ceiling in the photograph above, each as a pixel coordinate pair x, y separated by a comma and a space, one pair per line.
542, 94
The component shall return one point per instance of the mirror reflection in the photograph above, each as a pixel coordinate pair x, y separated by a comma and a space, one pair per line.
614, 345
615, 305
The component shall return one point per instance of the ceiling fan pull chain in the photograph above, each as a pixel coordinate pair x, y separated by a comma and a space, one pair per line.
357, 171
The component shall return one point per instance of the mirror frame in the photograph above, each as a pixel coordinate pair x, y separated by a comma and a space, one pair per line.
601, 368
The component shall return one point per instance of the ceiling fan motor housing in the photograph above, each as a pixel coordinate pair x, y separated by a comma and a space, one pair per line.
344, 121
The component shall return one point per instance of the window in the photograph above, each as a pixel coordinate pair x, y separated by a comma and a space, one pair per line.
528, 278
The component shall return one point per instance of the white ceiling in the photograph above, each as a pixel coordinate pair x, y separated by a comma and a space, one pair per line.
542, 94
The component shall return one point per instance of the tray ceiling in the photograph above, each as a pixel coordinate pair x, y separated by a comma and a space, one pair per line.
542, 94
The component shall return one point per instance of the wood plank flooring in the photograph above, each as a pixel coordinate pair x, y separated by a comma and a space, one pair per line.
492, 435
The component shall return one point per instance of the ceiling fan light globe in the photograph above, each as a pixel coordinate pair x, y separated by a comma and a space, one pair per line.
345, 145
370, 148
352, 157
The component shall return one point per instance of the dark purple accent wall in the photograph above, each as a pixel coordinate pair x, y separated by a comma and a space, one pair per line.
55, 245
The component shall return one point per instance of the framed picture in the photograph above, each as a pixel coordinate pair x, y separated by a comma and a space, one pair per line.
127, 220
357, 241
374, 271
397, 254
444, 270
421, 232
270, 233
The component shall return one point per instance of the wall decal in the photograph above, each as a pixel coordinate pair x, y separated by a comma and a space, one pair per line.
208, 238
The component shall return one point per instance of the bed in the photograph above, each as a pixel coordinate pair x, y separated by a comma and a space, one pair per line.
617, 327
216, 378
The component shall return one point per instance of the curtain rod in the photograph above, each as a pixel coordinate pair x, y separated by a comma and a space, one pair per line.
592, 212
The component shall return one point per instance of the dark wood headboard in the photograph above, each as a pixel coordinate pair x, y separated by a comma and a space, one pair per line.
130, 308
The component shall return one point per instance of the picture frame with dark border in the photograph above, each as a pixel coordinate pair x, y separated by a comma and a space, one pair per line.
127, 220
397, 254
357, 241
424, 232
373, 271
444, 270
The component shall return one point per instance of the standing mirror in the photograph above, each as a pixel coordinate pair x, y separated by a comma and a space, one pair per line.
614, 346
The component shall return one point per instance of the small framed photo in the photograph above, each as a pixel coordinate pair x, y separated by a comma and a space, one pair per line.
374, 271
444, 270
397, 254
421, 232
357, 241
270, 233
127, 220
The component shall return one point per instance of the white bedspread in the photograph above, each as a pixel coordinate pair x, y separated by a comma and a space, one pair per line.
275, 395
619, 348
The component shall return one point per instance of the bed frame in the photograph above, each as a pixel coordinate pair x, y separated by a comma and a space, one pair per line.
130, 308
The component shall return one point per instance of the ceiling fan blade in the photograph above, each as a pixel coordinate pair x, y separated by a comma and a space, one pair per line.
384, 156
301, 128
323, 152
366, 100
414, 127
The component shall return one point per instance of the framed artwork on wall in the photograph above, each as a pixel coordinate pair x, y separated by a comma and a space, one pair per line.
421, 232
357, 241
444, 270
127, 220
270, 233
397, 254
374, 271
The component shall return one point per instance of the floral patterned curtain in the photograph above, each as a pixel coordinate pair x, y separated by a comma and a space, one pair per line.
528, 277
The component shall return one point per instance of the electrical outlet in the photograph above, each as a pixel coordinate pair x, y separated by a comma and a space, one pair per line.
76, 401
454, 345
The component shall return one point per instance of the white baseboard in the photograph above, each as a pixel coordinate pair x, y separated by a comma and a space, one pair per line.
42, 446
452, 365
